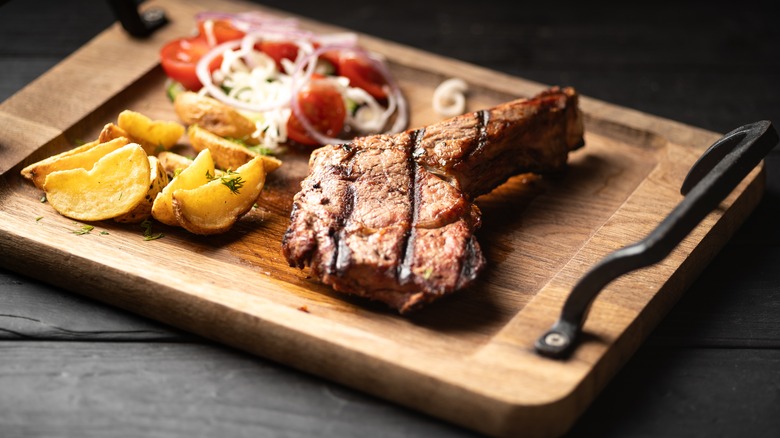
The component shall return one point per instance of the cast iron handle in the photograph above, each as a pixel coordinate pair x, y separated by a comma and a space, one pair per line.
714, 175
138, 24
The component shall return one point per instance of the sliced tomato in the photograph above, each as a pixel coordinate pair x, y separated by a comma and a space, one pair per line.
222, 30
362, 74
279, 50
323, 107
332, 58
180, 57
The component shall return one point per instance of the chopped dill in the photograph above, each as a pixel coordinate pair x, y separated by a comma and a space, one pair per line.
234, 183
260, 150
148, 235
230, 179
85, 229
37, 219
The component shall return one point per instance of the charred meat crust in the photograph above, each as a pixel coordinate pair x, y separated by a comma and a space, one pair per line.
392, 218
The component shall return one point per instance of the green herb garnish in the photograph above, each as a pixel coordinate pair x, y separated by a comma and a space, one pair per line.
233, 183
85, 229
148, 235
173, 90
260, 150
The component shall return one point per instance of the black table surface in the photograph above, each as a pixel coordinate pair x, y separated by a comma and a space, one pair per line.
73, 367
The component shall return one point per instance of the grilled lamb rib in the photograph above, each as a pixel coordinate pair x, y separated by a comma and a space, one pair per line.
392, 218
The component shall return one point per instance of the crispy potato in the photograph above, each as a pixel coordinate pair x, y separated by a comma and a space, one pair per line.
214, 208
114, 186
82, 157
195, 175
173, 163
227, 154
160, 133
112, 131
158, 179
213, 116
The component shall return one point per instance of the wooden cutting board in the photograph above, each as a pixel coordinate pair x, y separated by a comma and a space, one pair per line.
468, 358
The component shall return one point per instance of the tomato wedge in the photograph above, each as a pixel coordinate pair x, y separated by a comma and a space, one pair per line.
180, 57
323, 107
362, 74
222, 30
279, 50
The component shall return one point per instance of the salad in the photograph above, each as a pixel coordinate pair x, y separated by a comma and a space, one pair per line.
295, 85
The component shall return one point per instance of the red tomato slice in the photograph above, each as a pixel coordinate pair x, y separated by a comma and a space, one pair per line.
223, 31
180, 57
279, 50
323, 107
362, 74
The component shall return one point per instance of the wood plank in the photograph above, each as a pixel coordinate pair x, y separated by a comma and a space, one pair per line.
685, 390
35, 310
183, 390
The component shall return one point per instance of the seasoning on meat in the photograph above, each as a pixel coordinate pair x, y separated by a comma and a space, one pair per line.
392, 217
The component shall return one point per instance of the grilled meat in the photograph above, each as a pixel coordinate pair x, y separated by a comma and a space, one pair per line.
392, 217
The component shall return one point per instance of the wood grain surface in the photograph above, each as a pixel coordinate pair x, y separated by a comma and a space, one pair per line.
718, 299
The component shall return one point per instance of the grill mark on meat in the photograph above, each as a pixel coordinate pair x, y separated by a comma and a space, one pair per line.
404, 272
342, 256
483, 118
392, 217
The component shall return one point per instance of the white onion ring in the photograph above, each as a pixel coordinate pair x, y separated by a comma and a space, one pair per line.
258, 27
204, 76
449, 98
395, 99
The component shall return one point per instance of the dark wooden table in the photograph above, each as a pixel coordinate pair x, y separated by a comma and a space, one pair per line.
74, 367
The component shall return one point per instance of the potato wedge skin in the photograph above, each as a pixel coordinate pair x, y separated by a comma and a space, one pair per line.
173, 163
213, 116
111, 131
227, 154
114, 186
213, 208
158, 179
82, 157
153, 133
195, 175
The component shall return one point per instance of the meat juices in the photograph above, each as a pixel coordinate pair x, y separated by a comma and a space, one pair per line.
392, 217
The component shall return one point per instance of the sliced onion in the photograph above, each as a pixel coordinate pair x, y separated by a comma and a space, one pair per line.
449, 98
396, 101
204, 75
258, 27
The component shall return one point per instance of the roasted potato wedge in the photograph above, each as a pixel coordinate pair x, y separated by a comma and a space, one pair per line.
214, 208
213, 116
111, 131
114, 186
195, 175
227, 154
173, 163
82, 157
160, 133
158, 179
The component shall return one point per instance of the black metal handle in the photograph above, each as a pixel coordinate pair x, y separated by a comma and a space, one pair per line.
138, 24
714, 175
